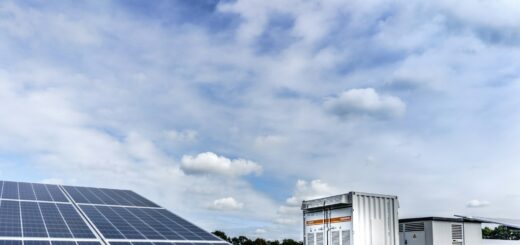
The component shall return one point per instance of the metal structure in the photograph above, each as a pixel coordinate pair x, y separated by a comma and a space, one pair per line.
439, 231
354, 218
38, 214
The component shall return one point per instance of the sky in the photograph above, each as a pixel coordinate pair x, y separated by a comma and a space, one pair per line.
230, 113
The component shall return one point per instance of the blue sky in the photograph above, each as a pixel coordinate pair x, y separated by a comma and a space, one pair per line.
231, 112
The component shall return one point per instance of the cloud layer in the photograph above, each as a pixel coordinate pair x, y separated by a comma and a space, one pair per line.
365, 102
211, 163
194, 102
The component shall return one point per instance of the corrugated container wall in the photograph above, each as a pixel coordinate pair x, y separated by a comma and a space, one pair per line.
351, 219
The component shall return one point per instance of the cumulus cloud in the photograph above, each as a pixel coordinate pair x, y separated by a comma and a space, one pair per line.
211, 163
289, 213
226, 204
477, 204
366, 102
306, 190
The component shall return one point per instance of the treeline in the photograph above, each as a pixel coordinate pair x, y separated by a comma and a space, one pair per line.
501, 233
243, 240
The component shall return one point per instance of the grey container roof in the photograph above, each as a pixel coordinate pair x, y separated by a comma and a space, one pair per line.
342, 200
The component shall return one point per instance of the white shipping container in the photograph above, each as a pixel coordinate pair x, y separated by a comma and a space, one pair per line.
353, 218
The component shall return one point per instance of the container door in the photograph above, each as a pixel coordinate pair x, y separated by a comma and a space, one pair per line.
414, 234
339, 226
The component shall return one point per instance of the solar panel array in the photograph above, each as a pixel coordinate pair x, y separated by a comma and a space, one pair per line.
41, 214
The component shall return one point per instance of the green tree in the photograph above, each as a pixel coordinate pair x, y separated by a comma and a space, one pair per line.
501, 233
487, 233
291, 242
222, 235
260, 241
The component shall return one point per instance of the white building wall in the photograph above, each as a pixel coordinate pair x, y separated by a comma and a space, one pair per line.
441, 232
473, 233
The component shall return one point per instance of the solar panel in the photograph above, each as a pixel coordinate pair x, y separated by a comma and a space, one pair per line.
41, 214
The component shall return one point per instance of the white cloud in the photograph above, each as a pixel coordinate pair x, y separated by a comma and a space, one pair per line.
100, 120
226, 204
365, 102
477, 204
211, 163
310, 190
290, 213
260, 231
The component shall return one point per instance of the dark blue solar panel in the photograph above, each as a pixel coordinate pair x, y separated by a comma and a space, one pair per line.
101, 223
42, 194
156, 224
49, 213
10, 242
75, 194
120, 243
107, 199
142, 243
63, 243
173, 224
130, 195
124, 227
89, 243
90, 195
56, 193
185, 224
10, 224
138, 224
33, 225
26, 191
55, 224
117, 197
108, 196
75, 223
10, 190
36, 243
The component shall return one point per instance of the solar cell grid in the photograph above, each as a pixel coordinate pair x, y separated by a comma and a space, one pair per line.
33, 225
42, 194
157, 225
89, 243
10, 190
139, 224
102, 224
128, 231
10, 242
36, 211
75, 223
36, 243
56, 194
56, 226
26, 191
10, 224
63, 243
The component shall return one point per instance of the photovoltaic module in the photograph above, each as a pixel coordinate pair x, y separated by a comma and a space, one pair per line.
41, 214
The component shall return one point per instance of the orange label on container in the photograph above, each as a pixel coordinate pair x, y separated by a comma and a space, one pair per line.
331, 220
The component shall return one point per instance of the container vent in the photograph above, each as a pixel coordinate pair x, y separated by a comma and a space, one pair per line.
345, 237
417, 226
319, 238
456, 233
334, 238
401, 228
310, 238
